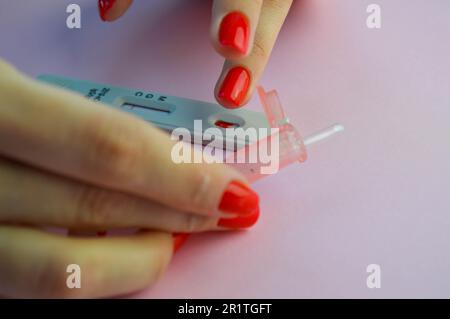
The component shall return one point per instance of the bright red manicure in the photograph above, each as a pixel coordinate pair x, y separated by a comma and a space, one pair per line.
240, 222
178, 240
234, 87
234, 32
239, 199
104, 6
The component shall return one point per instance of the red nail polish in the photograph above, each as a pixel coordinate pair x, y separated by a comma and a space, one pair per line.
234, 87
102, 233
178, 240
239, 199
234, 32
240, 222
104, 6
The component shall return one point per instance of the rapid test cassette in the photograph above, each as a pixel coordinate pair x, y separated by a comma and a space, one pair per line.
170, 112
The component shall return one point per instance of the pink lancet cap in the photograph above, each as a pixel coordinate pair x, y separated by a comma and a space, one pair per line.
291, 145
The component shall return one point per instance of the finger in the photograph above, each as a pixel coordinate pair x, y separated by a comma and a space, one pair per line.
233, 26
239, 77
35, 264
111, 10
70, 135
36, 197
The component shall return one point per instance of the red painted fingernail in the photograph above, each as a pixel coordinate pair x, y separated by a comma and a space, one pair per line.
104, 6
102, 233
239, 199
240, 222
234, 32
178, 240
234, 87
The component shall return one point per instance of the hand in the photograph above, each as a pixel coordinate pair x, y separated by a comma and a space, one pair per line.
243, 32
69, 162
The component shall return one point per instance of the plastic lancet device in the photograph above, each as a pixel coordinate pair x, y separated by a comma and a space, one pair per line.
292, 147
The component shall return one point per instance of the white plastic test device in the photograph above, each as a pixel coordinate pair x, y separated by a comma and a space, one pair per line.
170, 112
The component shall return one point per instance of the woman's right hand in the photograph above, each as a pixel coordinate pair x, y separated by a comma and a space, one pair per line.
66, 161
242, 32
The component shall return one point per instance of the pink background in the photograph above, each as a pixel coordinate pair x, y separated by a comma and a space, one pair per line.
379, 193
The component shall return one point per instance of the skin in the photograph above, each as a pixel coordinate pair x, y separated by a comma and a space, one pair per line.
77, 189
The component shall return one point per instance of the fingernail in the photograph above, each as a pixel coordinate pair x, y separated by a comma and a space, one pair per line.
104, 6
234, 32
178, 240
239, 199
234, 87
102, 233
241, 221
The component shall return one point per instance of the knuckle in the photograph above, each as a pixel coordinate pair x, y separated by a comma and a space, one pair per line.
93, 206
114, 151
198, 194
259, 50
191, 223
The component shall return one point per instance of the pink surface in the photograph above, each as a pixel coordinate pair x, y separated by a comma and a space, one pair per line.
379, 193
